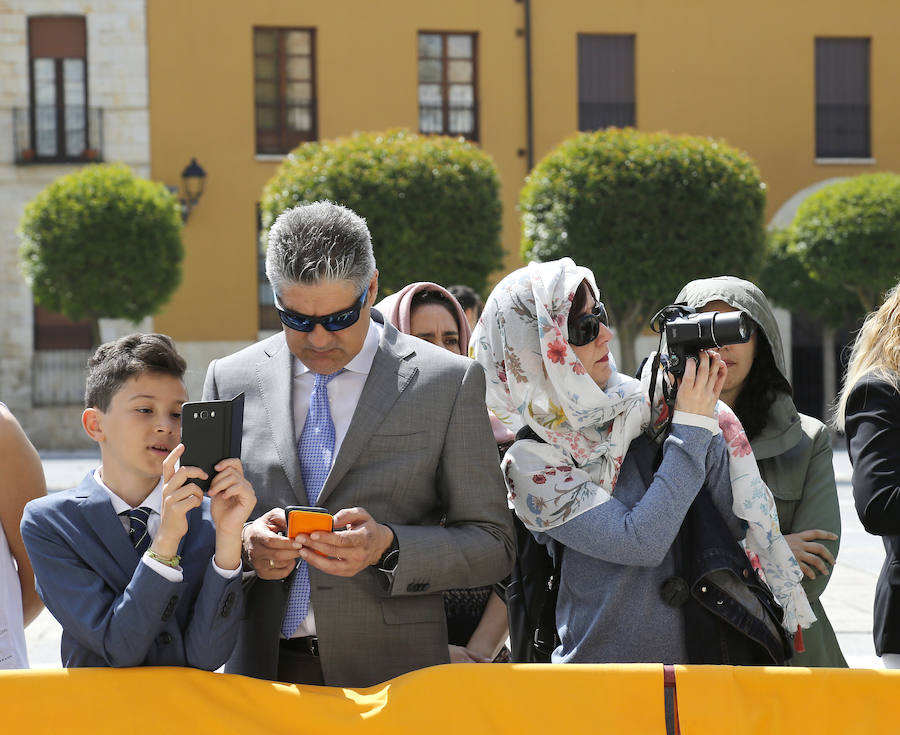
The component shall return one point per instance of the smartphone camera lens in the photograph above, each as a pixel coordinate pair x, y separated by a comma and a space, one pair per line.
204, 414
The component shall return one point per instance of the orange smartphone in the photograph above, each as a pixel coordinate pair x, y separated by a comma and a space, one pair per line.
306, 519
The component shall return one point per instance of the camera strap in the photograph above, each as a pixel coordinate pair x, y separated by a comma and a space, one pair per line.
669, 394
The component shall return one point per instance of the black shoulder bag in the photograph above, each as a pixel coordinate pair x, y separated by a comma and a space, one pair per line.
532, 592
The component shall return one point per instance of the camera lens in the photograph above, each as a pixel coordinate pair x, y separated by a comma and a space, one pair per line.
730, 328
204, 414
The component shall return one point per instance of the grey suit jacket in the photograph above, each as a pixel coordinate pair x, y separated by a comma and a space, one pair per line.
419, 449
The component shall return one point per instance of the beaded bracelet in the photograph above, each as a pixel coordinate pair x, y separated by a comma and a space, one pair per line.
169, 561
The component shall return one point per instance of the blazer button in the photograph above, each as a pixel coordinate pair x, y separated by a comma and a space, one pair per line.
425, 586
411, 587
164, 638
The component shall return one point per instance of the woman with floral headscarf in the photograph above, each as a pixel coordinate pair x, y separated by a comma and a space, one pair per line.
588, 483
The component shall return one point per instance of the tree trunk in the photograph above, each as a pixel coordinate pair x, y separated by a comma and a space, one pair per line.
627, 331
95, 330
829, 370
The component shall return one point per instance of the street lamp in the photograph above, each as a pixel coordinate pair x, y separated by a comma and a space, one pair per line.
193, 179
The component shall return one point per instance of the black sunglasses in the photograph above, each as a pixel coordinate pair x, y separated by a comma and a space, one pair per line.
586, 327
332, 322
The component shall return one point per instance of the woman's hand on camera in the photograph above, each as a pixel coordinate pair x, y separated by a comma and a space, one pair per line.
701, 385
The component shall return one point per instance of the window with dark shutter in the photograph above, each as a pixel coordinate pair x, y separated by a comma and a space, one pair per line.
58, 70
843, 110
605, 81
284, 88
448, 96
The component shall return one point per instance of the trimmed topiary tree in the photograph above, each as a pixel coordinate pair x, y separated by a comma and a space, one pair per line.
431, 203
647, 213
847, 235
786, 282
102, 242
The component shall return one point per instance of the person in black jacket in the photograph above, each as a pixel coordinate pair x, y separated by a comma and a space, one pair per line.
869, 411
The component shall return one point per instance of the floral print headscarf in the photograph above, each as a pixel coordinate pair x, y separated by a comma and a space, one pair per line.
535, 378
533, 375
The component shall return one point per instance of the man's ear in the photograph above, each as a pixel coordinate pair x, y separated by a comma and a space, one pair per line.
91, 420
373, 289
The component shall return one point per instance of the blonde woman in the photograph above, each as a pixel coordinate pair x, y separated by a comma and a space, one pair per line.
868, 410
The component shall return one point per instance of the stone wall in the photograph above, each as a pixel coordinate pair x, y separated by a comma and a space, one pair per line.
117, 83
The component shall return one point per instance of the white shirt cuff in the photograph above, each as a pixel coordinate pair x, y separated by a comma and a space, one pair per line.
227, 573
173, 574
695, 419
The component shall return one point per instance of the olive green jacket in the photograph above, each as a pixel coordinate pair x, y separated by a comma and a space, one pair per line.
793, 452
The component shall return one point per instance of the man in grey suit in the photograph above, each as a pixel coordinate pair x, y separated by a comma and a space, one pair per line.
392, 436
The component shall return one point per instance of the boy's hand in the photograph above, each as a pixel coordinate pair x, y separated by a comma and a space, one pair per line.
232, 500
178, 499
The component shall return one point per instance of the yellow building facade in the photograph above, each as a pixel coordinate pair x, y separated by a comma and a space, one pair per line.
747, 73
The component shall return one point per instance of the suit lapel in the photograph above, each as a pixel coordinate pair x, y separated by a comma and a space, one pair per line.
107, 526
275, 377
391, 373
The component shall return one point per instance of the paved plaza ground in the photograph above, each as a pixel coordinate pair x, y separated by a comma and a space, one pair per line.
848, 599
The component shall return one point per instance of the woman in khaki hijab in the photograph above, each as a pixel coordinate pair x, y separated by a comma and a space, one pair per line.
793, 451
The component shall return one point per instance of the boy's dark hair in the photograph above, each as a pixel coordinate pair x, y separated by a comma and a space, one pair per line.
467, 297
115, 362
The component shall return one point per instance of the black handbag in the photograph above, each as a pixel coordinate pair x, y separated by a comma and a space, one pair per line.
531, 595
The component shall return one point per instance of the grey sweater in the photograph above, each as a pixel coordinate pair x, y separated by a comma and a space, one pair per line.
619, 553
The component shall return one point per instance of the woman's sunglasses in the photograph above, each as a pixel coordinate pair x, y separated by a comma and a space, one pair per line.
586, 327
332, 322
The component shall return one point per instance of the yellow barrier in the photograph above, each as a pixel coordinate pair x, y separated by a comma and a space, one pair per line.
458, 699
744, 700
455, 699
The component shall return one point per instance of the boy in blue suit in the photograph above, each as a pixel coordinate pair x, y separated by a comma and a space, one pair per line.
137, 566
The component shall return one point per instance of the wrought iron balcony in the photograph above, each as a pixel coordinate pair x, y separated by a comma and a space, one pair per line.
57, 134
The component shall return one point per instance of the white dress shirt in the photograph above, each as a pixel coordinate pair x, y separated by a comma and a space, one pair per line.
344, 391
154, 502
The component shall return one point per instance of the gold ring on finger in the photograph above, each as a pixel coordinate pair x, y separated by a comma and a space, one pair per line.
271, 563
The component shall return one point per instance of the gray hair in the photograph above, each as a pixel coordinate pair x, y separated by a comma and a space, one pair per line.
319, 242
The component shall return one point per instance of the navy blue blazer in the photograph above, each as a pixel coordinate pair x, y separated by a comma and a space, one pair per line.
113, 608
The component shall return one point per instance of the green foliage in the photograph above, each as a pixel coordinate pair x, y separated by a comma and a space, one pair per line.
647, 213
102, 243
847, 235
431, 203
786, 282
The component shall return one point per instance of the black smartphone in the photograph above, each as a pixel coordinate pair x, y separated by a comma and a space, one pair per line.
211, 431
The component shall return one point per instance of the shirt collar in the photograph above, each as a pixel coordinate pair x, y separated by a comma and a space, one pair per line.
153, 501
361, 362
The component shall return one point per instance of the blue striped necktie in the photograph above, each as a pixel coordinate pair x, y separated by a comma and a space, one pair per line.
315, 451
138, 533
